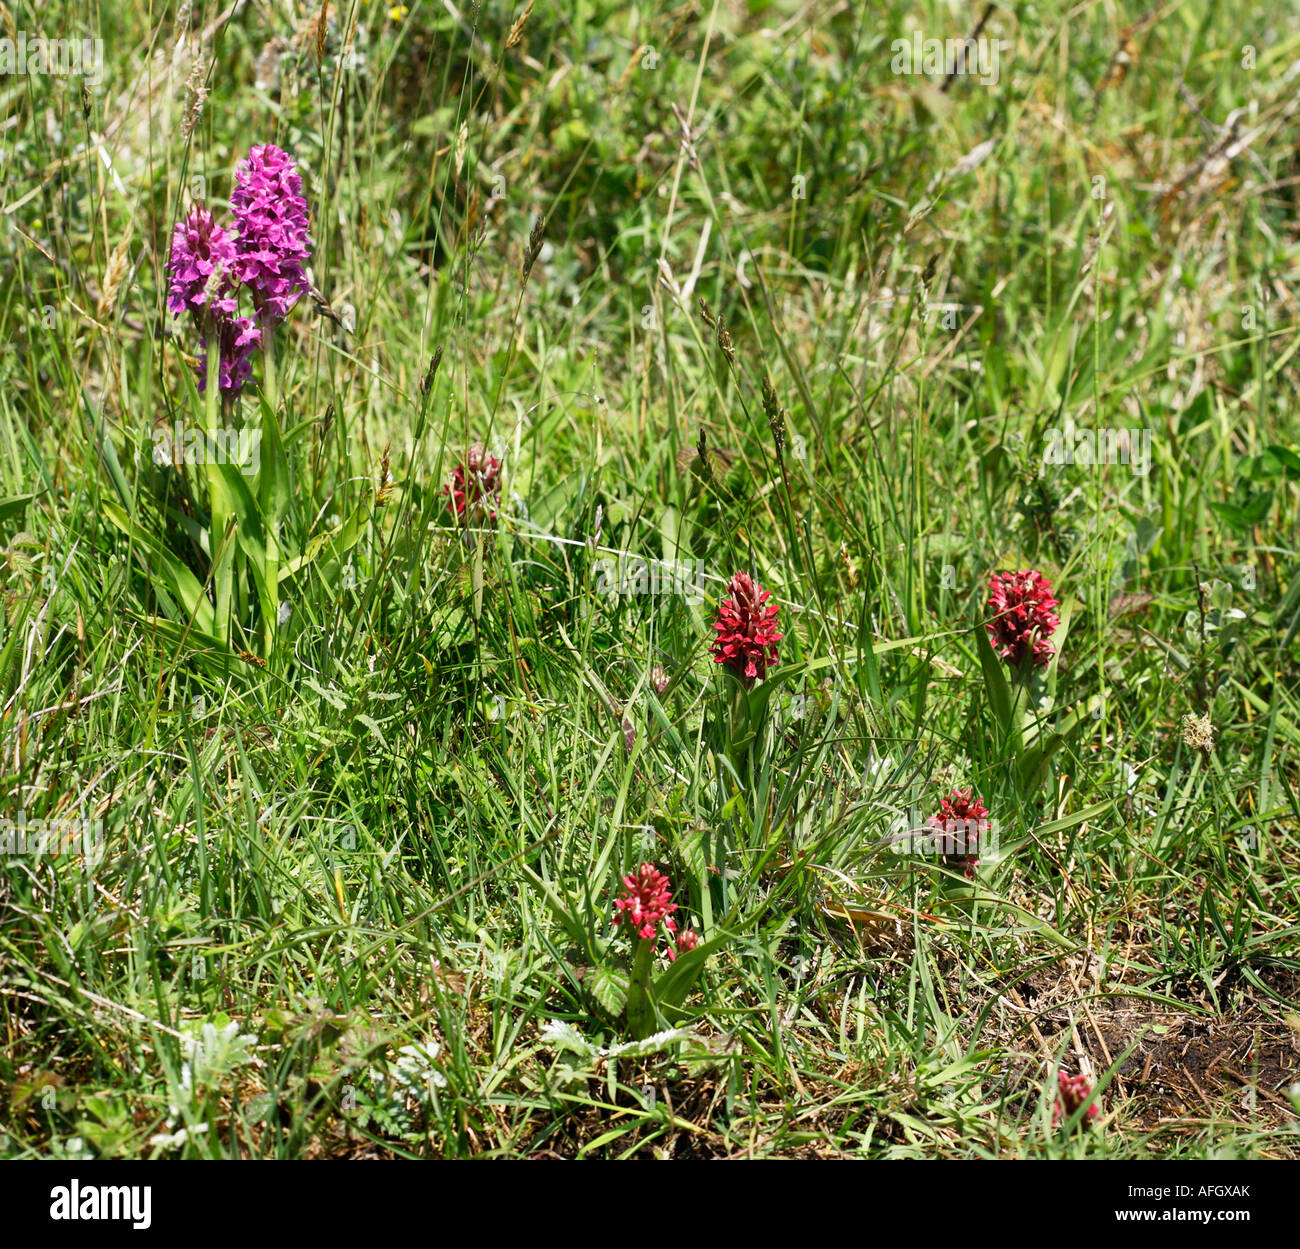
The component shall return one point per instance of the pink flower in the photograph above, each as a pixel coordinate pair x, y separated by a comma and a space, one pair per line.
201, 268
747, 637
239, 338
1073, 1091
475, 487
271, 220
203, 282
687, 939
647, 900
962, 818
1024, 616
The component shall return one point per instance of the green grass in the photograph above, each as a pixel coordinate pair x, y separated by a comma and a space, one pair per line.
356, 887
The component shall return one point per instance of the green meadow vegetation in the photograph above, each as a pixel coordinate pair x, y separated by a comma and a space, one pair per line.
317, 793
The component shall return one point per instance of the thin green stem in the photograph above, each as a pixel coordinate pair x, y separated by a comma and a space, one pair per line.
270, 383
217, 503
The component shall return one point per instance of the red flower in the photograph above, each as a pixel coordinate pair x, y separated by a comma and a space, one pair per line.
475, 487
687, 939
746, 639
962, 815
647, 900
1073, 1092
1024, 616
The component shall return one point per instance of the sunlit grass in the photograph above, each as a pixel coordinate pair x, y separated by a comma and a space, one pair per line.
357, 881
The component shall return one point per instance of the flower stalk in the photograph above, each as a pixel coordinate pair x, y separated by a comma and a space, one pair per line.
640, 1007
222, 561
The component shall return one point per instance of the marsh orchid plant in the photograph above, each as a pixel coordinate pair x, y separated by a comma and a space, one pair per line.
262, 253
646, 905
257, 260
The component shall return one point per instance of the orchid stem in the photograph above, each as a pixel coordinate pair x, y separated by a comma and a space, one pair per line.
271, 392
216, 488
640, 1009
270, 383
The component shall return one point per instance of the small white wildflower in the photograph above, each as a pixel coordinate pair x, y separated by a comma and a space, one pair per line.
175, 1140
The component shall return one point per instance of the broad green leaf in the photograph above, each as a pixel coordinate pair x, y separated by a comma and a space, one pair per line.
14, 505
673, 985
609, 987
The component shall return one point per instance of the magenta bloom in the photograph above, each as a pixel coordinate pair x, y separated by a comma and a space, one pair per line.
1025, 616
646, 900
687, 939
475, 487
202, 268
271, 222
961, 820
203, 282
239, 338
1073, 1091
747, 636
